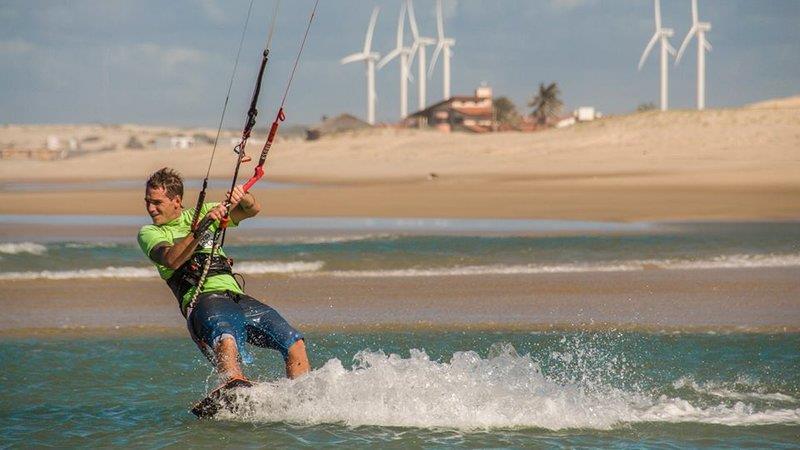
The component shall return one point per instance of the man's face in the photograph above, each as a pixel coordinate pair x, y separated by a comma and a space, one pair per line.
161, 208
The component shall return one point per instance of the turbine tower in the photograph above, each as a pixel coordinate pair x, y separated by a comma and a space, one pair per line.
699, 29
419, 48
442, 46
369, 57
663, 35
403, 52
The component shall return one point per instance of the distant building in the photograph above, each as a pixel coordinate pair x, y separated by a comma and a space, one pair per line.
338, 124
582, 114
458, 113
586, 114
53, 143
174, 142
566, 121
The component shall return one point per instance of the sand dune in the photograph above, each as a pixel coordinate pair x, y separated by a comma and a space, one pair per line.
751, 139
752, 153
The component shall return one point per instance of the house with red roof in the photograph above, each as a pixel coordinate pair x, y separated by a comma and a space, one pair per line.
458, 113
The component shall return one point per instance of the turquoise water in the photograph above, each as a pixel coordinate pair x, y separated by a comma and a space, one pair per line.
460, 389
411, 390
664, 246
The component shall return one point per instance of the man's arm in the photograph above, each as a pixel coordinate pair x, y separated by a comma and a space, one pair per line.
246, 205
173, 256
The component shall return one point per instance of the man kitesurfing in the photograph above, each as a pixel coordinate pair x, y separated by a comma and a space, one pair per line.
222, 317
185, 245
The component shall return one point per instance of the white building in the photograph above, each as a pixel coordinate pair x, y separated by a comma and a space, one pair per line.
174, 142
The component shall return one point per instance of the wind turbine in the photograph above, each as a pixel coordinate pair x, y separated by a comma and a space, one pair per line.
418, 48
443, 46
403, 52
699, 29
663, 35
369, 57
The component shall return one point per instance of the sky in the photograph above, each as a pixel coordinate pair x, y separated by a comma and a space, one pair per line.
169, 63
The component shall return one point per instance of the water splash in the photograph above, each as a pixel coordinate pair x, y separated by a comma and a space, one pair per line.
504, 390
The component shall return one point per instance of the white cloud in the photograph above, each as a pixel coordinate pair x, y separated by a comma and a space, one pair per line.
568, 5
213, 11
170, 57
449, 9
150, 61
16, 47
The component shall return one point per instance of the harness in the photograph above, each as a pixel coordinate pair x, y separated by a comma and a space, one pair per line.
189, 274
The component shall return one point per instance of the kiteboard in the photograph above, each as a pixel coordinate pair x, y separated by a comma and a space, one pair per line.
221, 398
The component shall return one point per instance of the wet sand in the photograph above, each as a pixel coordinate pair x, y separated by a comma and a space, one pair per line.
753, 300
609, 200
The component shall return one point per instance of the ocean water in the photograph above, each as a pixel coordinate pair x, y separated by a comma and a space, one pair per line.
414, 390
405, 248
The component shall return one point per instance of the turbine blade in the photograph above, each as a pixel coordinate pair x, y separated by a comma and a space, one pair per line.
707, 44
389, 56
686, 40
370, 29
647, 49
412, 21
670, 50
401, 22
435, 58
353, 58
657, 5
694, 12
413, 54
439, 20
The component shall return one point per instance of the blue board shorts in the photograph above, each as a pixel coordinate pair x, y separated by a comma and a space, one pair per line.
216, 314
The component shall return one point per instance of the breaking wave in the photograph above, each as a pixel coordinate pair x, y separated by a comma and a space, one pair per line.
22, 247
318, 268
741, 389
258, 267
252, 268
720, 262
504, 390
317, 240
107, 272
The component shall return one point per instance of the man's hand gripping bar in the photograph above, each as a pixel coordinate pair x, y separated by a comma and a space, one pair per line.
257, 175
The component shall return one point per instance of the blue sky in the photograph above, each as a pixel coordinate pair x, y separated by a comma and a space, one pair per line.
157, 62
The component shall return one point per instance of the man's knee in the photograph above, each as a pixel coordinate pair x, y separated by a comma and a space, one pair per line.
225, 340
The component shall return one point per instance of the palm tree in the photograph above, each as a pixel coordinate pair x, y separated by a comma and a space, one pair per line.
547, 103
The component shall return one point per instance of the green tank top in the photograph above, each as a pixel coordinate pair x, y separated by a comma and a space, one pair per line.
150, 236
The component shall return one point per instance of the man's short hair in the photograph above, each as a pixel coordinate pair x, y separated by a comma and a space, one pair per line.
169, 179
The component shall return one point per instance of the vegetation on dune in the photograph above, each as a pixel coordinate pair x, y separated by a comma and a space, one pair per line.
649, 106
546, 103
506, 111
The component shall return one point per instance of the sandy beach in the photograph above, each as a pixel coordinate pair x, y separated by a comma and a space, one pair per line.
736, 164
718, 164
